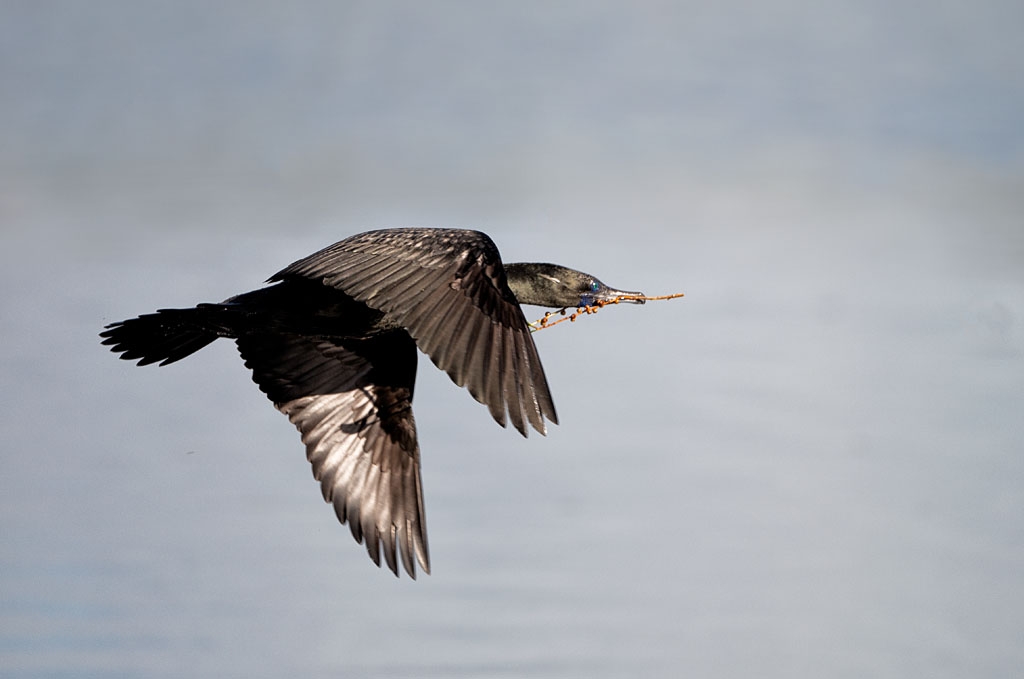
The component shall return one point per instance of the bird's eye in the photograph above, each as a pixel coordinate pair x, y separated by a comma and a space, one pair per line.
594, 286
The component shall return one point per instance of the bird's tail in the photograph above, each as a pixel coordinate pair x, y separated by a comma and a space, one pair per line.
166, 336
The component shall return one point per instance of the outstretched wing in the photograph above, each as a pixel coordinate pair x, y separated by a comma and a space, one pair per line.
352, 402
447, 287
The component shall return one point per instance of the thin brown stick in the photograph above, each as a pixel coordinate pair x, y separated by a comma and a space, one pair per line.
544, 322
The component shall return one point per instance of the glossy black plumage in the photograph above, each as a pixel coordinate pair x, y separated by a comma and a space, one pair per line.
333, 344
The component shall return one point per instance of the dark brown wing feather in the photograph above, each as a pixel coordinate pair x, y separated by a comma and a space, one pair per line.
353, 405
448, 288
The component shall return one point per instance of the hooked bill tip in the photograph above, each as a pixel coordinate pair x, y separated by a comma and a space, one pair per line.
631, 297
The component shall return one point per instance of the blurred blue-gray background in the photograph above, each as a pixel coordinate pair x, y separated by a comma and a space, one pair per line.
812, 465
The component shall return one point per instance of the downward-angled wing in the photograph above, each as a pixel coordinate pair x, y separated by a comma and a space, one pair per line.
352, 402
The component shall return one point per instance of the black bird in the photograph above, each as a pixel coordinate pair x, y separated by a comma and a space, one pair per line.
333, 344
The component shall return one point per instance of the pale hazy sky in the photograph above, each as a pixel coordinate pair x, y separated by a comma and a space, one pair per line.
809, 466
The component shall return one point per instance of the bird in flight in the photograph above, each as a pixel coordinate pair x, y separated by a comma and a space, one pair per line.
332, 342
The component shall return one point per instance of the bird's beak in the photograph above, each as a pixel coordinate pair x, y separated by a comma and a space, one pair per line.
608, 295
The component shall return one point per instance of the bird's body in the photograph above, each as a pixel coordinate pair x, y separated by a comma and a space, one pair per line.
333, 344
